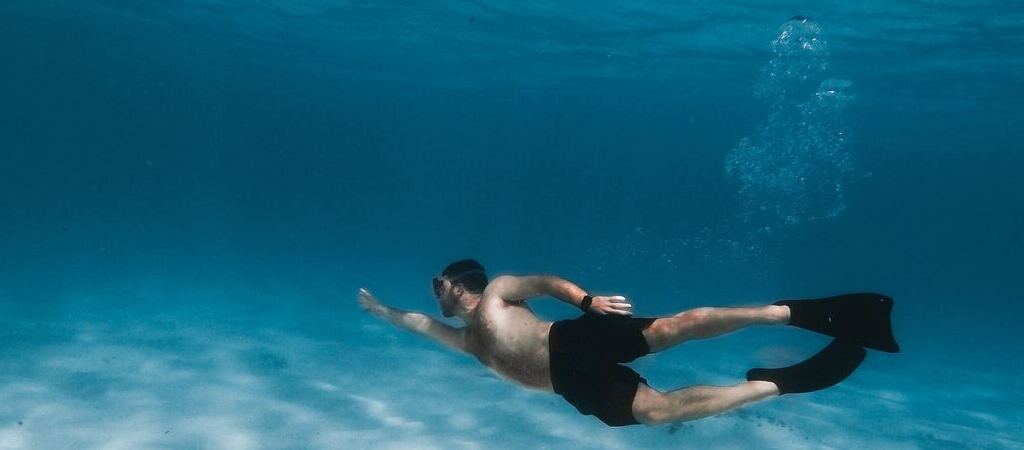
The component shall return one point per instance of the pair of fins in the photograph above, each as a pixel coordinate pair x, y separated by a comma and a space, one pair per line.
856, 321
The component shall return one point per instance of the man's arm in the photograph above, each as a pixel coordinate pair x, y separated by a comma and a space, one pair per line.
516, 289
416, 322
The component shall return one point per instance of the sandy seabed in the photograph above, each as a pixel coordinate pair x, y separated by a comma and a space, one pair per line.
175, 382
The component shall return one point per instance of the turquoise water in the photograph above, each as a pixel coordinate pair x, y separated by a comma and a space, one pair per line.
192, 192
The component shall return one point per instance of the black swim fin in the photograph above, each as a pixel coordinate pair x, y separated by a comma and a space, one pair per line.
826, 368
864, 318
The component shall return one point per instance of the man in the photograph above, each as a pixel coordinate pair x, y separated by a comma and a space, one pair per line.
580, 359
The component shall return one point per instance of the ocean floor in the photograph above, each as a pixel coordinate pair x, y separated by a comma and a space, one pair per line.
113, 381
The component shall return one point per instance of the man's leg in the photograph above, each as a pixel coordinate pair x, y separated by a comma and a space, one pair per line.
651, 407
702, 323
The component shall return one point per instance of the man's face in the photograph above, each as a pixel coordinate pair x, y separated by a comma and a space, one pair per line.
446, 300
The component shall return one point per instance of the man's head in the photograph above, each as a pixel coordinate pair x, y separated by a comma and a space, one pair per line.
458, 282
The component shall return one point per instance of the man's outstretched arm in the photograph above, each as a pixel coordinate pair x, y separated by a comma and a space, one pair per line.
416, 322
521, 288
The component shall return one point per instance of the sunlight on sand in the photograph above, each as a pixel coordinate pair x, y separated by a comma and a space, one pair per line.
174, 384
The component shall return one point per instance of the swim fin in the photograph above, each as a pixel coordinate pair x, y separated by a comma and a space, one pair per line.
864, 318
826, 368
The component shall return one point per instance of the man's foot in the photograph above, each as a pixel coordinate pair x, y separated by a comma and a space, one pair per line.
864, 318
780, 314
826, 368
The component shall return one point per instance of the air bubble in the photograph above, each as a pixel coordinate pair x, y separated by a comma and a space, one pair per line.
793, 169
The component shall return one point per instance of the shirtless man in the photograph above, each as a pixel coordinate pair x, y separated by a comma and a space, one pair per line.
580, 359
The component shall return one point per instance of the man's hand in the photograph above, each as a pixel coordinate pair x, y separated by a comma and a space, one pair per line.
615, 304
370, 304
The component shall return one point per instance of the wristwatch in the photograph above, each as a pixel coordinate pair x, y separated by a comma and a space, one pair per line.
585, 304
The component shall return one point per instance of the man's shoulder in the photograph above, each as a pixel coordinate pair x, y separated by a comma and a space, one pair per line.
498, 286
506, 283
493, 300
517, 288
502, 280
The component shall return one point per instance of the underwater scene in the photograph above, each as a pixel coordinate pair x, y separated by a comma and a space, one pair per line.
478, 224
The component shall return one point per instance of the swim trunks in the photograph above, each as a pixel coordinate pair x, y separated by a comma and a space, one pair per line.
585, 354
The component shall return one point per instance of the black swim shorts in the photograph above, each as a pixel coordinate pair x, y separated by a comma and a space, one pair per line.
585, 370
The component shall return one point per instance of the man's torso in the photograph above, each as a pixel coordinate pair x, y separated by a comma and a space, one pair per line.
510, 339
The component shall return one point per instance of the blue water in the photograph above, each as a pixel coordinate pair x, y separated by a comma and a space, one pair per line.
192, 192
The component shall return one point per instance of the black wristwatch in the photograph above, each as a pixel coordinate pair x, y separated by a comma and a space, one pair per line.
585, 304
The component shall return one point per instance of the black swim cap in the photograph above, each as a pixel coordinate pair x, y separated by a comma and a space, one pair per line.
459, 267
469, 273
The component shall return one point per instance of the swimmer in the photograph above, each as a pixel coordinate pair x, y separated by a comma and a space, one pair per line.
581, 359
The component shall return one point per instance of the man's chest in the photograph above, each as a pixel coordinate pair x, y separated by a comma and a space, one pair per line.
506, 330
